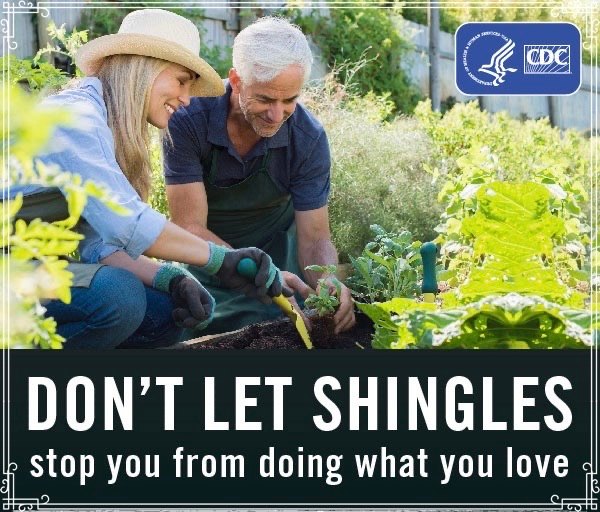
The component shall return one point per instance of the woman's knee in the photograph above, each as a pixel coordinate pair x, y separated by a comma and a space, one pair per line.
104, 314
158, 328
121, 300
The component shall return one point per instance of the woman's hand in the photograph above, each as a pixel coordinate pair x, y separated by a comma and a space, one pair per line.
194, 306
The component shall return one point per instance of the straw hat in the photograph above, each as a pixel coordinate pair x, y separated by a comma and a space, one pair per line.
154, 33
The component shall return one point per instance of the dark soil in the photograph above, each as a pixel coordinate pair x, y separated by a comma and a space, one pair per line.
322, 333
281, 334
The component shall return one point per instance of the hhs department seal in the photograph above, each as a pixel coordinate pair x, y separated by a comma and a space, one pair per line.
495, 66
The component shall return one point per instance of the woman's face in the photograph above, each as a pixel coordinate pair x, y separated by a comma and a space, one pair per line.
170, 90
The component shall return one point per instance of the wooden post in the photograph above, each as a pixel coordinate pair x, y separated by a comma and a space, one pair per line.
553, 111
434, 55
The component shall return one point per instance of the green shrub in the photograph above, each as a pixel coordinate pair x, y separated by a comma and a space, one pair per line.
519, 150
220, 58
364, 34
473, 147
389, 266
377, 168
43, 77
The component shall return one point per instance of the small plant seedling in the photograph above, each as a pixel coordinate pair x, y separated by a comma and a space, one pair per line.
323, 302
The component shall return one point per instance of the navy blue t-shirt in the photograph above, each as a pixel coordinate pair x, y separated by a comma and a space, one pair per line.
299, 161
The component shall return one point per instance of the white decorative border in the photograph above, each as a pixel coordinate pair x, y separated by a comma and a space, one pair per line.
591, 489
591, 10
9, 9
8, 488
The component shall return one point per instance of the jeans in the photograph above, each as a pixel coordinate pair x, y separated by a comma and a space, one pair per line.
116, 311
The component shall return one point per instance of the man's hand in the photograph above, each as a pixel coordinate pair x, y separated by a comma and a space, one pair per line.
344, 318
294, 283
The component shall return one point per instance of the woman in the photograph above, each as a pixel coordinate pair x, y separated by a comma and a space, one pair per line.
120, 296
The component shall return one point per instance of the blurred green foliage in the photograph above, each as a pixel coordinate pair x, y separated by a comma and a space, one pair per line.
35, 268
363, 34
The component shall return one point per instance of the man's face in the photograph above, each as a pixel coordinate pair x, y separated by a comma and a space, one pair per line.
267, 105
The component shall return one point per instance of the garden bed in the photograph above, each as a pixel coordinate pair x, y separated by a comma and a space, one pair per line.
280, 334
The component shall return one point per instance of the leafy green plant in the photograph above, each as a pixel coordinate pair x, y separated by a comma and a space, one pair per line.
511, 149
65, 44
497, 321
473, 147
323, 302
512, 234
40, 77
389, 266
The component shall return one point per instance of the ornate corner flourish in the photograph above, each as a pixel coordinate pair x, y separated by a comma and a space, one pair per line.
7, 490
9, 10
590, 501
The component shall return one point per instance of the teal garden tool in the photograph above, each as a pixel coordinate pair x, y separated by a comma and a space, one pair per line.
429, 286
247, 268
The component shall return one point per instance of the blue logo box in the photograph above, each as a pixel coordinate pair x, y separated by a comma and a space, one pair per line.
518, 58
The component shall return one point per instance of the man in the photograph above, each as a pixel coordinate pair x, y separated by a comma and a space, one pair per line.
252, 168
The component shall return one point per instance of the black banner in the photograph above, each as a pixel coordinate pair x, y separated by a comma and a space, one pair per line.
276, 428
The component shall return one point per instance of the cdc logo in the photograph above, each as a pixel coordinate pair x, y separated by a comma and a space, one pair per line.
547, 59
520, 58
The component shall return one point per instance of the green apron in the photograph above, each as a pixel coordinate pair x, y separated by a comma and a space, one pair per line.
50, 206
252, 213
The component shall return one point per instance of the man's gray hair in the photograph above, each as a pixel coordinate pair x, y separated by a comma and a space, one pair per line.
269, 46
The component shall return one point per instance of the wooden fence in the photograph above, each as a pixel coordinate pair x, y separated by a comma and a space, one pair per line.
222, 23
219, 27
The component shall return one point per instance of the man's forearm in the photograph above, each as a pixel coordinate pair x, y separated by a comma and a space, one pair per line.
317, 252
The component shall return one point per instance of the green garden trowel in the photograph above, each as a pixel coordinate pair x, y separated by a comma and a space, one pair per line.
429, 286
247, 268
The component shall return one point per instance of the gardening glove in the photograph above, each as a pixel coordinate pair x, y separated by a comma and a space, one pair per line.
194, 306
223, 262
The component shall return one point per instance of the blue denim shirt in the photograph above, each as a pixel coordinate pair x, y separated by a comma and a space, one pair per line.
299, 162
87, 148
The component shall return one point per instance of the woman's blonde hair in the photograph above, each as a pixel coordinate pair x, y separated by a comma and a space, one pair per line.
126, 82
